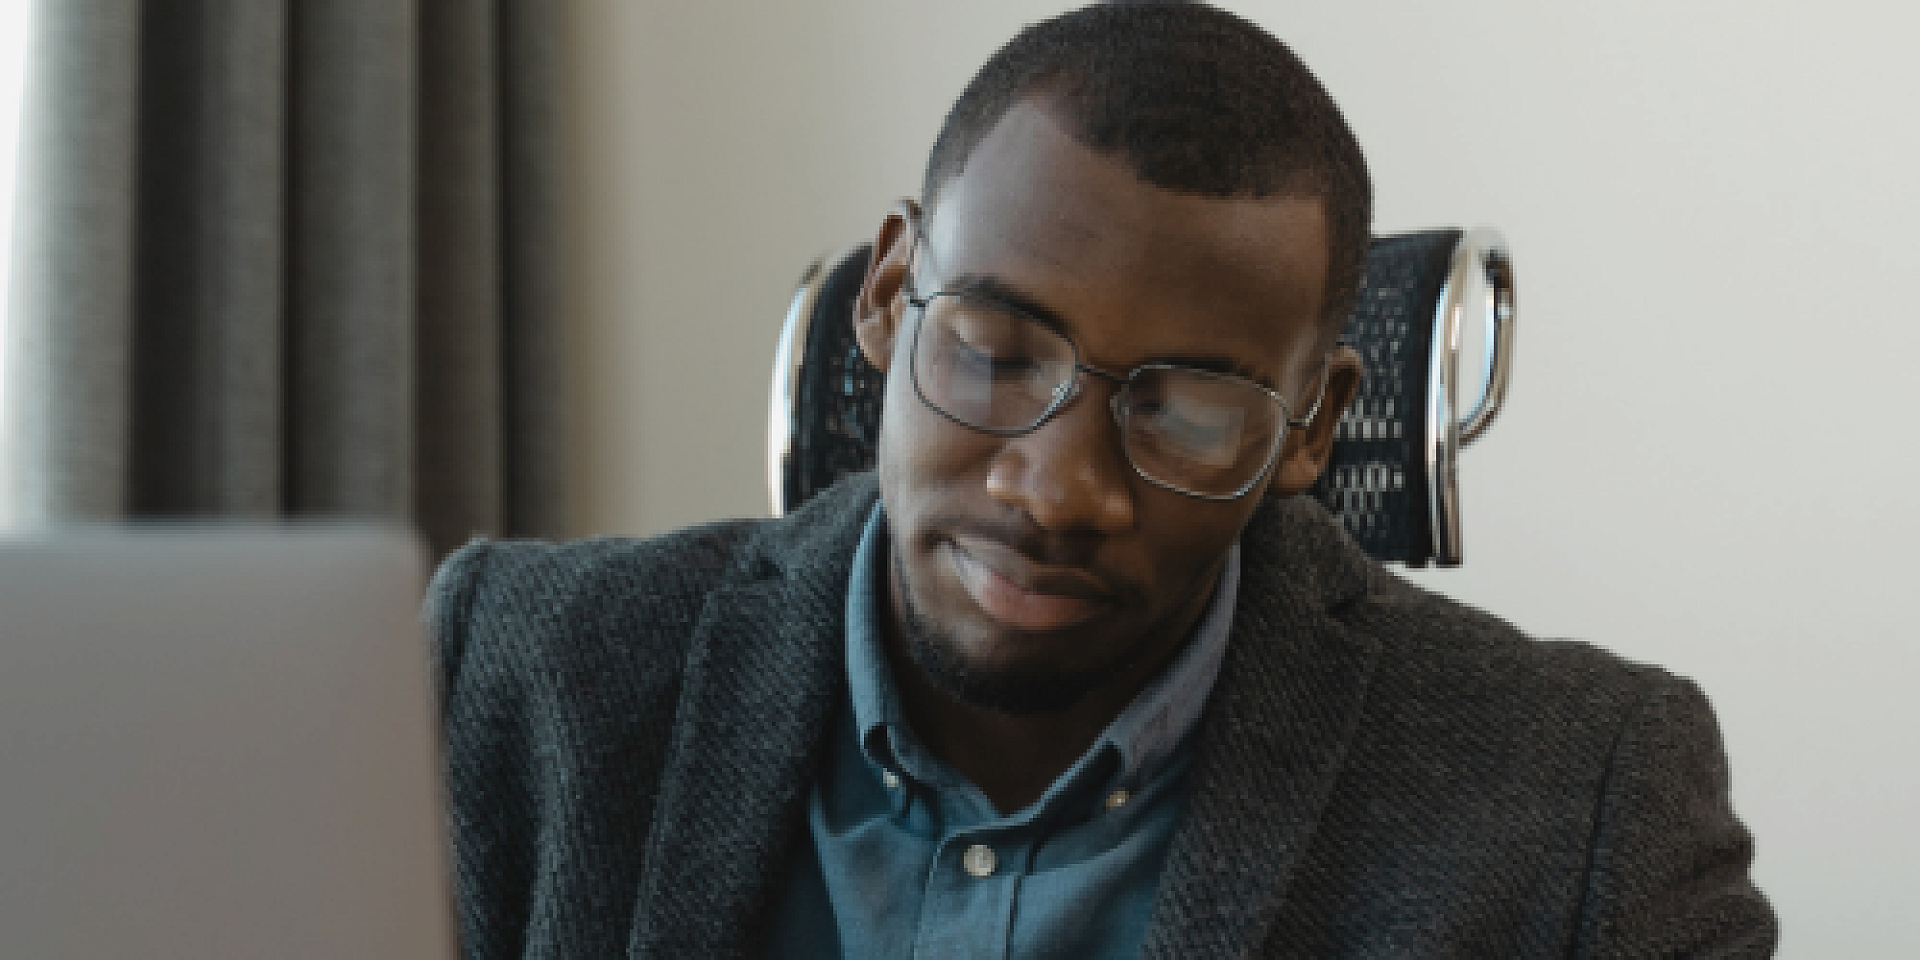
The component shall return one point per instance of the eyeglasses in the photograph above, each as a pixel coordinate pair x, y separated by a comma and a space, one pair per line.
994, 368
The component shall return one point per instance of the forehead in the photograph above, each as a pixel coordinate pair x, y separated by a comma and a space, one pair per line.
1135, 271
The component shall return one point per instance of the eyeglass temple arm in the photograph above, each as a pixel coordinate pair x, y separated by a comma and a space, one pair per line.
1319, 396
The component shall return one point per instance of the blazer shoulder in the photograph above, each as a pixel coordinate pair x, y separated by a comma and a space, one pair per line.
527, 602
534, 598
1426, 630
520, 570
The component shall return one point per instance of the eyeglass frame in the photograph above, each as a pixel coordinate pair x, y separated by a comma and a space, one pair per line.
1124, 383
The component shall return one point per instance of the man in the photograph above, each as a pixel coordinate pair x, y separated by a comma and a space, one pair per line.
1078, 672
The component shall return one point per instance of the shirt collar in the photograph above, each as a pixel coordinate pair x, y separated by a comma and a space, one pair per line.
1146, 734
869, 681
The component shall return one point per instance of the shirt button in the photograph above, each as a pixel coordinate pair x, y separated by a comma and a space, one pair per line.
979, 860
1118, 799
888, 778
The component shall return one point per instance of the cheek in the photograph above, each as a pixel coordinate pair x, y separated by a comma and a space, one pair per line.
919, 448
1185, 549
895, 448
929, 471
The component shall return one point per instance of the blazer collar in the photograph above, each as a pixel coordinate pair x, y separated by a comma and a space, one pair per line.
763, 678
1274, 738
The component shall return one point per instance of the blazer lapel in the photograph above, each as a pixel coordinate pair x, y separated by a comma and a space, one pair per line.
1275, 736
762, 681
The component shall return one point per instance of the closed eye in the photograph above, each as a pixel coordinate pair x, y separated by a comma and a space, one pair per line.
1193, 427
999, 367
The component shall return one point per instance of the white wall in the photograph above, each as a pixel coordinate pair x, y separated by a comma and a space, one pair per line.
1708, 455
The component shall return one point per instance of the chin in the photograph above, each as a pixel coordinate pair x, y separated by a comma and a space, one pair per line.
1012, 689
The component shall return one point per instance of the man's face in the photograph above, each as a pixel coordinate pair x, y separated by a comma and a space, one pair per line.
1029, 570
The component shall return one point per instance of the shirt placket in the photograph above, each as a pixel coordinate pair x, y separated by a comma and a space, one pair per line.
971, 889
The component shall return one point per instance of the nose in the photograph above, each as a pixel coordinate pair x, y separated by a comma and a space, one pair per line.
1070, 474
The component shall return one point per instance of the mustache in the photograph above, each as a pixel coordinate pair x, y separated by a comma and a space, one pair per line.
1020, 535
1060, 562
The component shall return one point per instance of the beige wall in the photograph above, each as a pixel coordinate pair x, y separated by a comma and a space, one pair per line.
1708, 457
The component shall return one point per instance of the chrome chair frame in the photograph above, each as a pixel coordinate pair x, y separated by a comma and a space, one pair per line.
1482, 275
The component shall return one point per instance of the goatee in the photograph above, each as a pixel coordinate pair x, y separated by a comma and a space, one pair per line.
1015, 691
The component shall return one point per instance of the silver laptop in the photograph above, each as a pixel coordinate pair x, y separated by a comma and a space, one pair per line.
218, 743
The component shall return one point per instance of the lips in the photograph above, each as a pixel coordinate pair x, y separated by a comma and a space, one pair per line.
1021, 595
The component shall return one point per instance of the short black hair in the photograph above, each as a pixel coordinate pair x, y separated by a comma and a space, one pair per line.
1196, 100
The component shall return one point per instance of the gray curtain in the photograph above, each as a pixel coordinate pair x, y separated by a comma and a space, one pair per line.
288, 258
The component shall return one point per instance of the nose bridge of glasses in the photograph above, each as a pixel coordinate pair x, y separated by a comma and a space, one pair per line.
1118, 379
1067, 392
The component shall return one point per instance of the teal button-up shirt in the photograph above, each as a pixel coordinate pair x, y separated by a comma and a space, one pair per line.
909, 859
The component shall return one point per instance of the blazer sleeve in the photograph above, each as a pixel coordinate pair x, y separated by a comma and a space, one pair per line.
448, 598
487, 784
1668, 872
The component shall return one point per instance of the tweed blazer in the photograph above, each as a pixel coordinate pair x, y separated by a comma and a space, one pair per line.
632, 727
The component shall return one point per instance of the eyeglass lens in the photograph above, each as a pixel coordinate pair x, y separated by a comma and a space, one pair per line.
997, 370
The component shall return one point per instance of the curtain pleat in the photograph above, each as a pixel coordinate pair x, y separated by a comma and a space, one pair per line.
533, 417
209, 336
459, 299
350, 292
289, 258
70, 335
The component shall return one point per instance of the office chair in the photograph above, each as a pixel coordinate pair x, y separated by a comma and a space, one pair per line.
1392, 478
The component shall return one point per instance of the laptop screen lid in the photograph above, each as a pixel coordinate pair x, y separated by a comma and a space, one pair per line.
218, 743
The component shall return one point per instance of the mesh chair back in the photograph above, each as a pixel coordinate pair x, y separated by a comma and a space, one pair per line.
1375, 480
1389, 479
834, 424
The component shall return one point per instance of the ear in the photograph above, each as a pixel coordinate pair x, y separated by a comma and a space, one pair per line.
881, 306
1307, 448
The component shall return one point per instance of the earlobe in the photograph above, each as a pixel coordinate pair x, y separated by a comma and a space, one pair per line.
878, 309
1307, 450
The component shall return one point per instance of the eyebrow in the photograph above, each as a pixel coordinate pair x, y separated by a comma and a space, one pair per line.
999, 292
1222, 365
